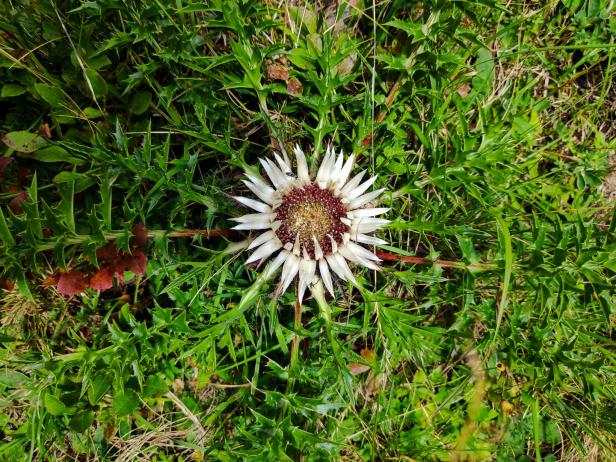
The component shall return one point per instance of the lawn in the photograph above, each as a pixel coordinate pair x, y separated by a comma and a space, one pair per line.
133, 329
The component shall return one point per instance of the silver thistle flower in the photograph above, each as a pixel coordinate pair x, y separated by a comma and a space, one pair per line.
313, 223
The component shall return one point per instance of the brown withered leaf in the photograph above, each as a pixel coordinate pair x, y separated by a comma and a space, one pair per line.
72, 282
102, 279
294, 86
52, 280
136, 262
277, 71
140, 235
107, 253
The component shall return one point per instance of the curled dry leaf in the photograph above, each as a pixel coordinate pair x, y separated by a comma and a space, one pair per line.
72, 282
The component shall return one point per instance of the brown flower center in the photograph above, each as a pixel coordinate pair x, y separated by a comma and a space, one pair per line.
311, 212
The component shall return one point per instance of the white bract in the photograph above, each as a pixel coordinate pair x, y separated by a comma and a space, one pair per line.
315, 225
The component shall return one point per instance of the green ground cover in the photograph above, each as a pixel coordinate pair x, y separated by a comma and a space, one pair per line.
126, 128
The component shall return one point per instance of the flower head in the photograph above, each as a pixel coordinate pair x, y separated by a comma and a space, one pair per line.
314, 224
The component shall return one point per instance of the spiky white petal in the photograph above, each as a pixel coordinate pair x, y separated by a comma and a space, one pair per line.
289, 270
262, 191
256, 179
296, 248
333, 243
348, 253
345, 172
361, 251
336, 170
265, 250
318, 252
359, 190
367, 225
370, 240
252, 226
325, 171
254, 217
353, 183
271, 268
338, 264
306, 275
302, 166
284, 166
326, 276
276, 176
372, 212
370, 221
262, 238
253, 204
254, 221
368, 197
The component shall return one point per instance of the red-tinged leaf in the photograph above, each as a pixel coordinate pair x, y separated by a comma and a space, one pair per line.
136, 262
278, 72
294, 86
140, 235
117, 267
368, 354
72, 282
45, 131
107, 253
357, 368
15, 204
102, 279
7, 284
52, 280
4, 162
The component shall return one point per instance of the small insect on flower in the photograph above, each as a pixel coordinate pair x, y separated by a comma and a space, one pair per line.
313, 223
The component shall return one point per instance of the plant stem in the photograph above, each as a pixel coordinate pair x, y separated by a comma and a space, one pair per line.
152, 233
